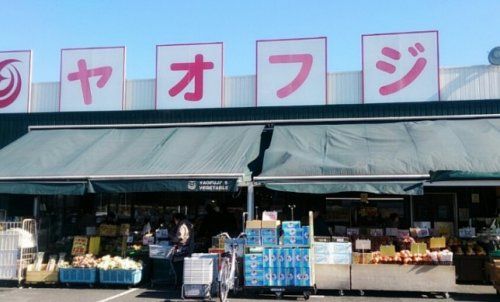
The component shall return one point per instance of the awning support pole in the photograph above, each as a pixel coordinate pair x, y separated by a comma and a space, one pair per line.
36, 207
250, 201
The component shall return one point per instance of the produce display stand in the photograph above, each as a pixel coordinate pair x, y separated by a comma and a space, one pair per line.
42, 276
397, 277
333, 276
120, 277
86, 276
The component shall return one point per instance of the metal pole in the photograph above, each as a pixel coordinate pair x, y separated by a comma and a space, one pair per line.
412, 218
250, 201
36, 207
455, 213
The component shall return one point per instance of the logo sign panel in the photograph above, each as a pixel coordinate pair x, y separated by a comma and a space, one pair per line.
92, 79
189, 76
15, 81
291, 72
400, 67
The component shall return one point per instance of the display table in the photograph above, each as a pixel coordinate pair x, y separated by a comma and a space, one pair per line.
396, 277
333, 276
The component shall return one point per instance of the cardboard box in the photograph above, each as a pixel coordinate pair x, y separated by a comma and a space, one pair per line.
254, 224
270, 224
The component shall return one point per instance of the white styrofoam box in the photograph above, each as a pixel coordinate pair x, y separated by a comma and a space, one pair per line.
321, 259
340, 259
340, 247
321, 248
198, 270
213, 256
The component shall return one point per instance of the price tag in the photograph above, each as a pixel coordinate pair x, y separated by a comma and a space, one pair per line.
391, 232
438, 242
422, 233
363, 244
418, 248
352, 231
376, 232
467, 232
388, 250
79, 245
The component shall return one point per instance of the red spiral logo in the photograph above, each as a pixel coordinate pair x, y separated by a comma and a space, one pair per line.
11, 91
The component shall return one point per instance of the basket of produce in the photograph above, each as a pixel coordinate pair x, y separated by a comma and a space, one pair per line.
119, 271
45, 275
82, 270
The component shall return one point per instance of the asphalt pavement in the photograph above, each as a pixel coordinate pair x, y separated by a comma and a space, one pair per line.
86, 294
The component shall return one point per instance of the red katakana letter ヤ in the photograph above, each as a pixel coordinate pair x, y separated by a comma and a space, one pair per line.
84, 74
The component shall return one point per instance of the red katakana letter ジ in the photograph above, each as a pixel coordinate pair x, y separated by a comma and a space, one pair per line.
84, 74
305, 60
194, 71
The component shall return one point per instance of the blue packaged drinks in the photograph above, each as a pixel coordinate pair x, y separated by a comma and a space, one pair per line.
280, 254
293, 240
253, 241
290, 225
254, 281
280, 277
293, 232
289, 277
266, 258
302, 276
305, 234
253, 262
269, 232
297, 257
259, 274
288, 257
252, 232
270, 277
269, 240
273, 257
306, 253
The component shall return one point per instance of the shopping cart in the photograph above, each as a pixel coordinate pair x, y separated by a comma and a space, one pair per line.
18, 248
163, 267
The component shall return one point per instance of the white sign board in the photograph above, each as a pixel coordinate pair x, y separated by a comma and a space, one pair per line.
189, 76
291, 72
92, 79
400, 67
363, 244
15, 81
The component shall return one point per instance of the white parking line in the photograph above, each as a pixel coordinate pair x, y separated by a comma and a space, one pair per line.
118, 295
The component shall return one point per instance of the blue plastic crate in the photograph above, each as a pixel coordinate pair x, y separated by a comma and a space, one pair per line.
78, 275
120, 276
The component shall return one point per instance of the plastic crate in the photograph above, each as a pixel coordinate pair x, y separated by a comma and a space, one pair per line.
196, 291
120, 276
78, 275
198, 270
157, 251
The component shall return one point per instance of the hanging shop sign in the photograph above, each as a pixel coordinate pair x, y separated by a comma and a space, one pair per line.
189, 76
92, 79
291, 72
15, 81
400, 67
211, 185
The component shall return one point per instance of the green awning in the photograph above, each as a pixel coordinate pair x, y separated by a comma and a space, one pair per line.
130, 160
378, 157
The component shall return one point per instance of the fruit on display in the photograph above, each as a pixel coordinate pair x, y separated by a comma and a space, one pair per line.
406, 257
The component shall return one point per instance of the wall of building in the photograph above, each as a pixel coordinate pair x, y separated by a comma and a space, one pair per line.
457, 84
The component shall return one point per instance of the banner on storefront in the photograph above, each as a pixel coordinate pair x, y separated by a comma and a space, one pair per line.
291, 72
92, 79
189, 76
15, 81
400, 67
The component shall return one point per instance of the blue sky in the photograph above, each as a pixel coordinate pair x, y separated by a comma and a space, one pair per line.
467, 29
